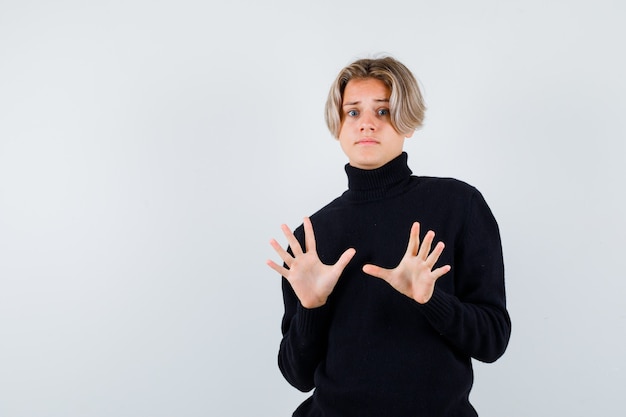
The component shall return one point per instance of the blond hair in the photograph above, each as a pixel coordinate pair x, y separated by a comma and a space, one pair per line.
406, 104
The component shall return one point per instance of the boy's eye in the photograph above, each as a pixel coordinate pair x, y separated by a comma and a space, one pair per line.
383, 112
352, 113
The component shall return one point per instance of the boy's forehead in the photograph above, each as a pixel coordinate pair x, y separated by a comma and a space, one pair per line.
365, 89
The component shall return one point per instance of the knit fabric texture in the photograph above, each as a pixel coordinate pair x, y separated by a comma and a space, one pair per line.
372, 351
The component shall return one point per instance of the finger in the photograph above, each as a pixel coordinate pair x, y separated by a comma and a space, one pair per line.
293, 242
441, 271
426, 245
284, 255
278, 268
435, 254
377, 271
309, 236
414, 240
343, 261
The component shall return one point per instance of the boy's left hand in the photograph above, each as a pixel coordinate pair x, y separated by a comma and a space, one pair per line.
414, 276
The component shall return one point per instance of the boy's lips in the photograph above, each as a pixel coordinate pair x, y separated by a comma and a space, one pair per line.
367, 141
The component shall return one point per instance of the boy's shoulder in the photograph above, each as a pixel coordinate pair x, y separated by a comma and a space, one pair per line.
444, 183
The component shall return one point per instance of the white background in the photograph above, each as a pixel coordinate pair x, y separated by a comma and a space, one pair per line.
150, 149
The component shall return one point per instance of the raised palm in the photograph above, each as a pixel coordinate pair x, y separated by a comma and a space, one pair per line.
311, 280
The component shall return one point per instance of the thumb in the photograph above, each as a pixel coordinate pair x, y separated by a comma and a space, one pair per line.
344, 259
376, 271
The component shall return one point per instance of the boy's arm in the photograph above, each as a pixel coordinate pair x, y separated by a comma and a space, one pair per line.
474, 319
304, 340
307, 283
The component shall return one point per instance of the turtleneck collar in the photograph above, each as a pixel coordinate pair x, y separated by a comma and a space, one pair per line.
370, 184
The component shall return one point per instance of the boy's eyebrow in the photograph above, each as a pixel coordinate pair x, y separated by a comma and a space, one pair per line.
354, 103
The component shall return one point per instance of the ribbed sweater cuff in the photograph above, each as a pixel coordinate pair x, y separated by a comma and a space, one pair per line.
311, 321
438, 310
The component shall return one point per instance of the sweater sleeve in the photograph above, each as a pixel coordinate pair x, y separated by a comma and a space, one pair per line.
305, 332
304, 340
474, 319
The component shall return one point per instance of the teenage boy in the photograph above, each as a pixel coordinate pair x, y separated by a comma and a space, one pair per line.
379, 319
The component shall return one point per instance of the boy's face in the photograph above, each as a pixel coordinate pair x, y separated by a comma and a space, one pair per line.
366, 135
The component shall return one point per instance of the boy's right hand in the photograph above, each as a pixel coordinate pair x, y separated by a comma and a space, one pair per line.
311, 280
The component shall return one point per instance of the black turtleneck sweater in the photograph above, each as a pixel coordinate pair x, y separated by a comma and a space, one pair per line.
372, 351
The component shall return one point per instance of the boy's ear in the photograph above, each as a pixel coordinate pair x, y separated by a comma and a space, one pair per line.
408, 135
